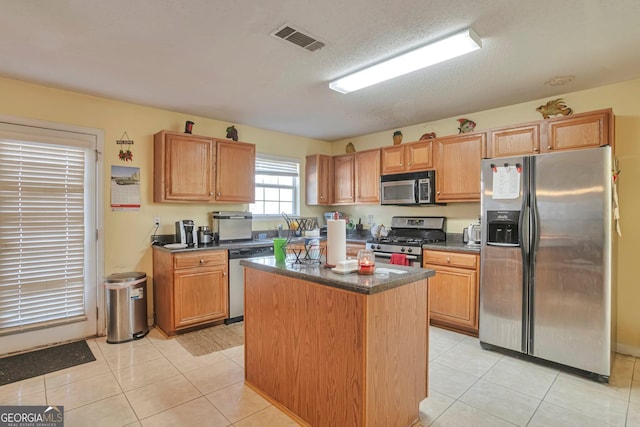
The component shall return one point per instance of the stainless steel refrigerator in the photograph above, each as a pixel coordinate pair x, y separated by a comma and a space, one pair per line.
546, 287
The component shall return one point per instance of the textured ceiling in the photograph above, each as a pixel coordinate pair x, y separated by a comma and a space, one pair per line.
217, 59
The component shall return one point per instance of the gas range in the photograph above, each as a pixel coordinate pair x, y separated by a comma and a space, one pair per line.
407, 235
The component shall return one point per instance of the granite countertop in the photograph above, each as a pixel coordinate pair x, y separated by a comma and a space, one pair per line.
221, 246
386, 277
452, 246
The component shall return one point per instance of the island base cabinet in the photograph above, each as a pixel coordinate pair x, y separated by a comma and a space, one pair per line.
332, 357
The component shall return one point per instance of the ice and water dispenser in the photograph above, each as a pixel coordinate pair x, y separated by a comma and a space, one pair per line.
502, 228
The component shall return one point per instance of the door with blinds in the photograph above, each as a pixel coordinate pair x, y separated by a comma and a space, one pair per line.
49, 273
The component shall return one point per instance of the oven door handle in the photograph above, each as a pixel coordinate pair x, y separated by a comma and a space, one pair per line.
388, 255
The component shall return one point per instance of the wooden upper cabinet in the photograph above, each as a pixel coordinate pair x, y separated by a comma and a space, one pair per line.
458, 164
235, 172
584, 130
344, 179
367, 176
593, 129
191, 168
410, 157
319, 180
183, 169
514, 141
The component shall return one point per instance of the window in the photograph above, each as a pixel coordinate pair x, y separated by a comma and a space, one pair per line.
47, 222
277, 186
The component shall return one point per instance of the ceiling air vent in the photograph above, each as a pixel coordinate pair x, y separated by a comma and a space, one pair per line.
299, 38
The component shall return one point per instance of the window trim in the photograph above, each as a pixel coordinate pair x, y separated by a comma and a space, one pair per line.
296, 189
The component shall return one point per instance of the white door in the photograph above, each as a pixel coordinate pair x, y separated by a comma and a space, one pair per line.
50, 199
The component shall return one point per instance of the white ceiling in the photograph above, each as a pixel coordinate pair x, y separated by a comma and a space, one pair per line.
217, 59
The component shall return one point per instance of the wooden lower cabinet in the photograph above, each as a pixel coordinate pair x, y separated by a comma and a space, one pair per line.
190, 289
354, 248
454, 291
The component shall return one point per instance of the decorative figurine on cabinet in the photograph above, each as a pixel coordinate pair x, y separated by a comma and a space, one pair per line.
350, 148
397, 137
232, 133
553, 108
430, 135
466, 125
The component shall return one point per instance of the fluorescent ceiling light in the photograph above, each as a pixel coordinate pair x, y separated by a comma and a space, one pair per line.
456, 45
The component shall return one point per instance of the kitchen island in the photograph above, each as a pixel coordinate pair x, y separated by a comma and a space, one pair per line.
337, 349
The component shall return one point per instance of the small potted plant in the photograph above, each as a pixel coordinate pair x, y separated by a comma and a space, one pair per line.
397, 137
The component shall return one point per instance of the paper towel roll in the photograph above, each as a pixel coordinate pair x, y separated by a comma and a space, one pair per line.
336, 241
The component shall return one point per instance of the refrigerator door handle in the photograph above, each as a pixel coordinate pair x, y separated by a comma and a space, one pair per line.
534, 240
523, 227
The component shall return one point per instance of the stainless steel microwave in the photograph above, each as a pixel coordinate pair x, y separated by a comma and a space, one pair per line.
416, 188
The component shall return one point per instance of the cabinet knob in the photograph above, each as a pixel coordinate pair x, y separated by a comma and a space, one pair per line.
548, 147
224, 273
535, 149
448, 260
211, 194
321, 197
409, 164
438, 193
201, 261
218, 193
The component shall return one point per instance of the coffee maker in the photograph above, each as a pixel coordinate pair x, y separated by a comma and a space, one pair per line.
186, 232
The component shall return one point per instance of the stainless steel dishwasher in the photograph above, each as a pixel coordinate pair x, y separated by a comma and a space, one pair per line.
236, 277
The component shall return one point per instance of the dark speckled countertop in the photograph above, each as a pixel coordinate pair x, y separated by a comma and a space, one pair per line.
452, 247
386, 276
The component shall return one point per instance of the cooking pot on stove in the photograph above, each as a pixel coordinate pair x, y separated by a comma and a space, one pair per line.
378, 231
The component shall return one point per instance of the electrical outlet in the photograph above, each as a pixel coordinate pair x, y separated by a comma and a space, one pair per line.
156, 221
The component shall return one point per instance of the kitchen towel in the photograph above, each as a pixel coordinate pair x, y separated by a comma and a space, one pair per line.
336, 241
399, 259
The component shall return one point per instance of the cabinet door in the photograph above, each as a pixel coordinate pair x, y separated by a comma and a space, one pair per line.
201, 295
453, 298
344, 183
235, 172
580, 131
419, 156
393, 160
367, 176
319, 180
517, 141
458, 161
183, 167
353, 249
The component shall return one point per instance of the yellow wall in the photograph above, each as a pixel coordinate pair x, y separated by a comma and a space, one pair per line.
623, 98
127, 234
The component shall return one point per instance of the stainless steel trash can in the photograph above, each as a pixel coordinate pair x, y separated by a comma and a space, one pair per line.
126, 295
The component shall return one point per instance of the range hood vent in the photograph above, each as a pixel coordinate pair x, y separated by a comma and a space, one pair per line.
303, 39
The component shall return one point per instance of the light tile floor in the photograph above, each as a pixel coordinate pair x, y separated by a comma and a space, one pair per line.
469, 386
156, 382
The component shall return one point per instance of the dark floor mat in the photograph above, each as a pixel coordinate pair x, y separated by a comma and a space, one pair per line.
40, 362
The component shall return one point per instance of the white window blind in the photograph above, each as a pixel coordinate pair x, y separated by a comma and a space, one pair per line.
277, 182
42, 234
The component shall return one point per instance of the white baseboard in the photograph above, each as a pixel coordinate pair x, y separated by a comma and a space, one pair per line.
631, 350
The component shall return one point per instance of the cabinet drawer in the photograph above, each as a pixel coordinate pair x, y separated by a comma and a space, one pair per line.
453, 259
199, 259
